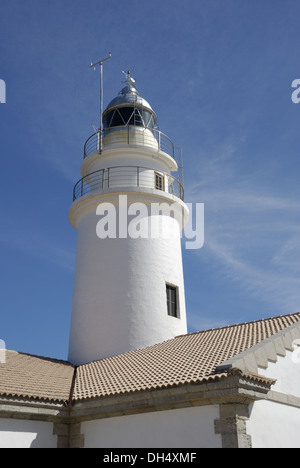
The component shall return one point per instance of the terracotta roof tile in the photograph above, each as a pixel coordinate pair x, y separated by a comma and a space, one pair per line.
185, 359
24, 375
181, 360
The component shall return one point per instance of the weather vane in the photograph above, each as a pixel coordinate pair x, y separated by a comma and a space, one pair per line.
129, 79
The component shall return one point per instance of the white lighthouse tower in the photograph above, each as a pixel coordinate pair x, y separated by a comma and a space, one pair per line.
128, 210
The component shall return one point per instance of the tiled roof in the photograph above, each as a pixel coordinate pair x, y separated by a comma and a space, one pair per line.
190, 358
24, 375
185, 359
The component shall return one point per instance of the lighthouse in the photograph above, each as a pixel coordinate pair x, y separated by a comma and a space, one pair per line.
128, 209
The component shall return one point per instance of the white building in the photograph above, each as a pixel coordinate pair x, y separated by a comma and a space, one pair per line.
135, 378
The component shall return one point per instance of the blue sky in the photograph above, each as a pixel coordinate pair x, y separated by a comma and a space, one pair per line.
218, 74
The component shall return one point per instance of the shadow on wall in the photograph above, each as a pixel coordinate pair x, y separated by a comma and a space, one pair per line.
35, 443
40, 441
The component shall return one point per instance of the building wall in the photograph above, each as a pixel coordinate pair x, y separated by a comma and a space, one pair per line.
286, 371
275, 424
16, 433
186, 428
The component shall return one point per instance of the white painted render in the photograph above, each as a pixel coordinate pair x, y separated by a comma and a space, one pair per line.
286, 371
119, 299
17, 433
185, 428
128, 156
273, 424
121, 136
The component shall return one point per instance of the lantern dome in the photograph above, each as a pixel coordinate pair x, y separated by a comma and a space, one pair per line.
129, 108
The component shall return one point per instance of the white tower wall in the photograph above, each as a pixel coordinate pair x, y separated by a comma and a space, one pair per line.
119, 300
122, 275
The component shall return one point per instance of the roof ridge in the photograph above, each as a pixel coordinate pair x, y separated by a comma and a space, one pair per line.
45, 358
65, 362
240, 324
155, 345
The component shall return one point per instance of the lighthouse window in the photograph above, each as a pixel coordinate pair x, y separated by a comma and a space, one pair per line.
159, 181
172, 305
128, 116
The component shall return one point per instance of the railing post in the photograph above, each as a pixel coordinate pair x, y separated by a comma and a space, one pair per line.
138, 176
98, 142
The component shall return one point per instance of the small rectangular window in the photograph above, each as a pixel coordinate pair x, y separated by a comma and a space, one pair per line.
159, 181
172, 302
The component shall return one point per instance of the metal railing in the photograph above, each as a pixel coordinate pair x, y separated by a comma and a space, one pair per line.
130, 135
128, 176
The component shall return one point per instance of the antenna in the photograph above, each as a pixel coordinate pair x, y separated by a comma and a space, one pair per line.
93, 65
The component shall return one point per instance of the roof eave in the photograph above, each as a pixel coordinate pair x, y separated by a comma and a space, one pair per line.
259, 355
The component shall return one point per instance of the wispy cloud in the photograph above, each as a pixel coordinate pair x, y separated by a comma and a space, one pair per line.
252, 233
280, 287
